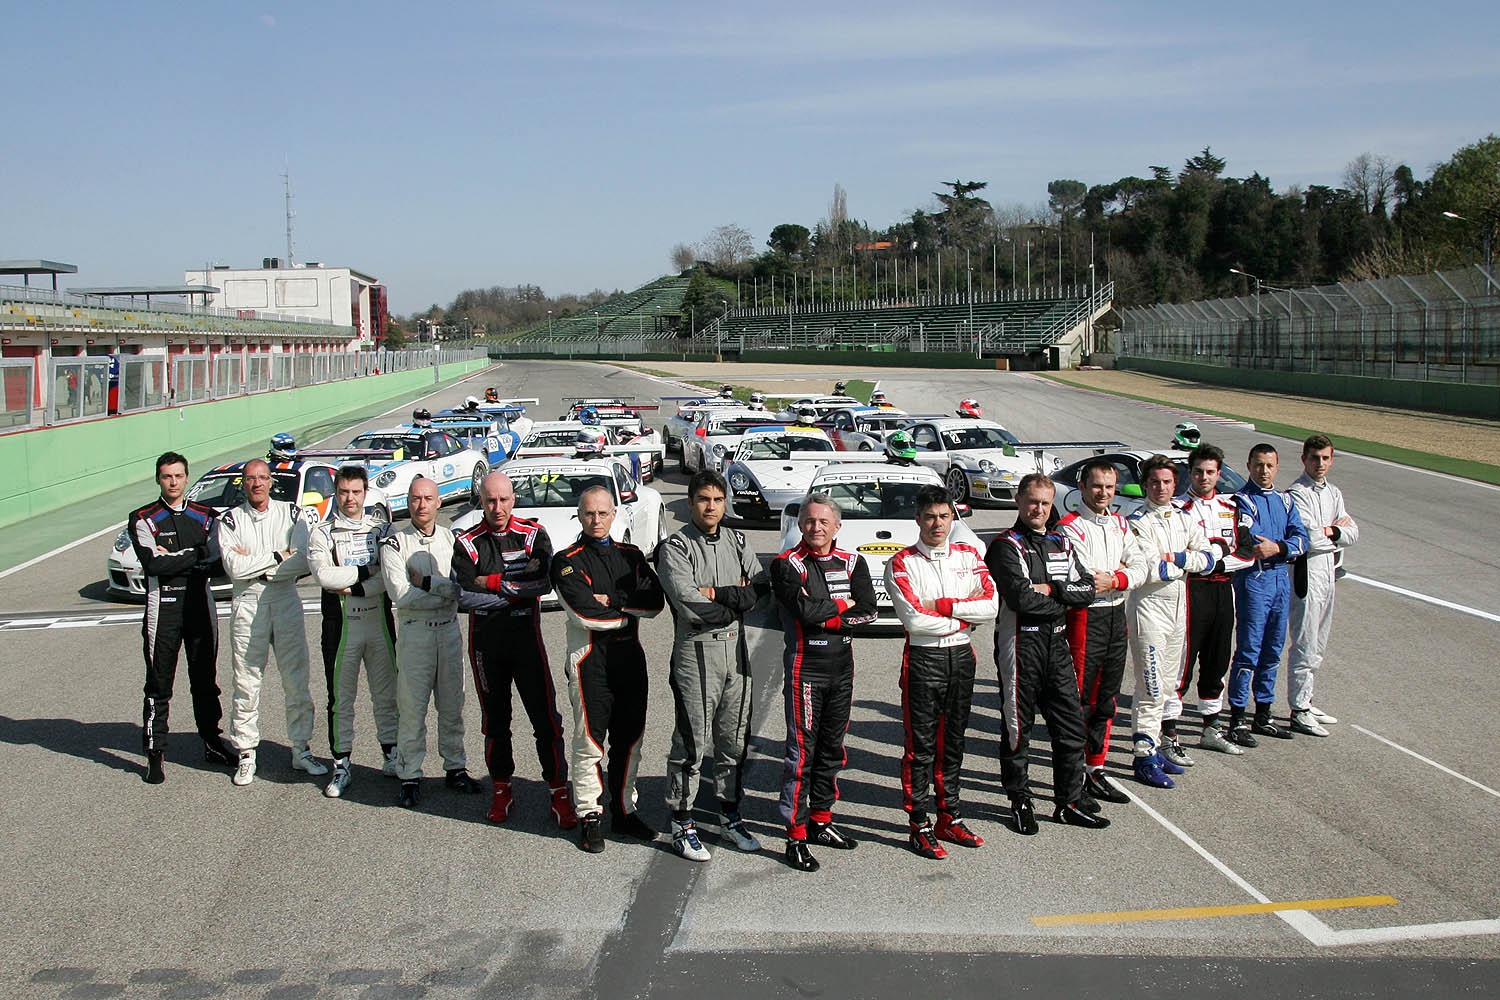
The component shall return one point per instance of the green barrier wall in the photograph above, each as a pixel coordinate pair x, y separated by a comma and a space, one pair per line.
1409, 394
53, 466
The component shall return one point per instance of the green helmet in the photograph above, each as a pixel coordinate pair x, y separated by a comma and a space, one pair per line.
900, 448
1186, 436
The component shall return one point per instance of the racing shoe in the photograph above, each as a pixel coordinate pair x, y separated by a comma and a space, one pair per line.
1323, 717
1304, 723
1168, 766
1263, 726
955, 832
460, 781
1071, 815
244, 770
1213, 739
631, 824
391, 765
591, 836
1024, 813
738, 834
411, 794
1088, 803
828, 835
924, 844
1239, 730
562, 807
501, 800
303, 760
1148, 771
1101, 786
215, 752
1172, 750
154, 774
685, 841
340, 780
799, 857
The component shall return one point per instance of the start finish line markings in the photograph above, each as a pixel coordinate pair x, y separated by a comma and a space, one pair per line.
1203, 912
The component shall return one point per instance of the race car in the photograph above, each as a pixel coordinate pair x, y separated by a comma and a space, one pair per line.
397, 456
308, 482
821, 405
643, 455
772, 467
553, 436
978, 459
677, 427
716, 434
878, 504
489, 433
1129, 495
513, 410
863, 428
613, 411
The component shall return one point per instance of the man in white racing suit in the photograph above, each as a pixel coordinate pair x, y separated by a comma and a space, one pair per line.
344, 555
417, 565
264, 546
1330, 530
1169, 546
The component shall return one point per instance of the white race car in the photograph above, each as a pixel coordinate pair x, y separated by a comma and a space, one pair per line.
978, 459
716, 434
772, 467
396, 457
616, 412
878, 504
679, 425
822, 405
1129, 494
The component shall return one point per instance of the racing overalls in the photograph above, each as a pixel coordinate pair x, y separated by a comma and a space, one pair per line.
1032, 655
1262, 593
1098, 633
820, 599
179, 613
266, 614
344, 555
504, 574
710, 671
937, 665
1157, 612
1311, 613
607, 680
429, 646
1210, 601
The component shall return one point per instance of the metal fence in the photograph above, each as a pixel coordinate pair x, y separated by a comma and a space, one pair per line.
1443, 326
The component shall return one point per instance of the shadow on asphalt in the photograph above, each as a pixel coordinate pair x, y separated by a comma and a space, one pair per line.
99, 591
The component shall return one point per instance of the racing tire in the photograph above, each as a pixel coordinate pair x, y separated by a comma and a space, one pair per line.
381, 513
958, 485
480, 471
865, 446
682, 459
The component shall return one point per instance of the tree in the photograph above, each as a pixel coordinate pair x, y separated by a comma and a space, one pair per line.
965, 219
703, 302
1205, 164
790, 239
683, 257
729, 245
395, 335
1066, 198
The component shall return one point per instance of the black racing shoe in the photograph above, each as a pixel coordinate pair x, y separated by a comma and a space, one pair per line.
154, 774
799, 857
1071, 815
1099, 785
215, 752
828, 835
460, 780
591, 833
411, 794
1240, 735
631, 825
1088, 804
1024, 814
1271, 729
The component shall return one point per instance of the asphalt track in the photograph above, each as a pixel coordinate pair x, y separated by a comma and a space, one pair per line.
1362, 864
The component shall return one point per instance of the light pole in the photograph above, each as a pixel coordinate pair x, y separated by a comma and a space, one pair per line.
551, 346
1487, 228
970, 279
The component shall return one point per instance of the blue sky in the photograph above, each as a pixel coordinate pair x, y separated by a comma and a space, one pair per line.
446, 146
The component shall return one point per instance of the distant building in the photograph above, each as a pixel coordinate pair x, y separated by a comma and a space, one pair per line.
338, 295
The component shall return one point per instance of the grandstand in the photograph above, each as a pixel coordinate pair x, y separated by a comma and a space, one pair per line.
650, 312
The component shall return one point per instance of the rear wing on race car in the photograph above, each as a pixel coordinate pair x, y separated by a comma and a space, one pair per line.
569, 451
353, 454
513, 402
1037, 447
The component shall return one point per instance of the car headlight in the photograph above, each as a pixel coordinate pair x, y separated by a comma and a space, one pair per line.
122, 540
988, 467
386, 478
719, 450
739, 481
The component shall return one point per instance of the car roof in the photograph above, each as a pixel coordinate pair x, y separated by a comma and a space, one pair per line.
949, 423
557, 425
293, 465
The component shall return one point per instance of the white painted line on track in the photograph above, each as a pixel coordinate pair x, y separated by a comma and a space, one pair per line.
1427, 760
1414, 595
120, 524
41, 621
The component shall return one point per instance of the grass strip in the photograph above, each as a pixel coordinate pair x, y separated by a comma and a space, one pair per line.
1465, 468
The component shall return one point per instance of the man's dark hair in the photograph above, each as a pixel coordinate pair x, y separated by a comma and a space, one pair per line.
349, 473
170, 458
1205, 453
1097, 465
1155, 462
934, 496
1264, 448
706, 477
1036, 479
1316, 443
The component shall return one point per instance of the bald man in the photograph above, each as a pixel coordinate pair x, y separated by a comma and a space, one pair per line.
502, 565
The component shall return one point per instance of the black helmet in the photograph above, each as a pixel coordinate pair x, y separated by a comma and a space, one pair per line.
421, 416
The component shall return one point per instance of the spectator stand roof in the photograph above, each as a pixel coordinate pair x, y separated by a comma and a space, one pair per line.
26, 268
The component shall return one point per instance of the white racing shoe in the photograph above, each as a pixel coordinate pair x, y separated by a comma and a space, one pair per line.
391, 767
244, 769
303, 760
685, 841
340, 780
1322, 717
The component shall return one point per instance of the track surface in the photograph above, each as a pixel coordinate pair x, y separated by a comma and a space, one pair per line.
197, 888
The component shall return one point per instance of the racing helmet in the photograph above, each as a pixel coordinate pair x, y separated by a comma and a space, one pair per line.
588, 415
726, 391
901, 449
591, 441
491, 395
471, 402
970, 407
806, 416
878, 398
627, 434
1186, 436
839, 388
758, 400
283, 446
421, 416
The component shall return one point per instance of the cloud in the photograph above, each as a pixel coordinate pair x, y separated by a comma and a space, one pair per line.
268, 20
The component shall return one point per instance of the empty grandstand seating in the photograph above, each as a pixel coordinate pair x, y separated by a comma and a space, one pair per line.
631, 316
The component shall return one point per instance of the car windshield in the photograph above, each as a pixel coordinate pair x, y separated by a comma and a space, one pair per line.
772, 448
970, 438
405, 447
875, 501
552, 439
225, 490
556, 489
880, 424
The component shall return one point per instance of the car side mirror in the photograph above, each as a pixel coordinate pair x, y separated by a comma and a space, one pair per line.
792, 510
964, 510
627, 496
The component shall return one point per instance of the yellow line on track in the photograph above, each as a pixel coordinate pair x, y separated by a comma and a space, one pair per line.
1201, 912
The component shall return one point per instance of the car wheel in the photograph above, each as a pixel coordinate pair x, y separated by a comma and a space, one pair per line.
865, 446
380, 514
626, 537
958, 485
480, 471
682, 459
